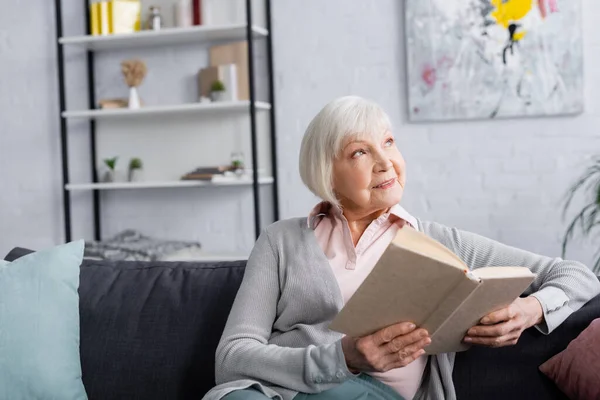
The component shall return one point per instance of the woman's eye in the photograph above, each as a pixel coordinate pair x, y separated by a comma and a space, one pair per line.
389, 142
358, 153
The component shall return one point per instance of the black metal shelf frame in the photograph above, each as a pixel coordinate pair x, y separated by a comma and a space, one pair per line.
96, 200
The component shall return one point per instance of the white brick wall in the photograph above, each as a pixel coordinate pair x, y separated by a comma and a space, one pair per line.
504, 179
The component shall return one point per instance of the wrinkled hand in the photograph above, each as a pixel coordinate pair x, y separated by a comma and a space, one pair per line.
393, 347
504, 327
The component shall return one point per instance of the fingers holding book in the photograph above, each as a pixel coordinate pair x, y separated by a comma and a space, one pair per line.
393, 347
504, 327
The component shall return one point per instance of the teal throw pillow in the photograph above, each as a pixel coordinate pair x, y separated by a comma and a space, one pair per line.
39, 325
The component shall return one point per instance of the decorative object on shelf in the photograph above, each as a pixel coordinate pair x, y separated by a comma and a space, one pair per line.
111, 164
588, 218
217, 91
237, 162
113, 103
234, 53
154, 22
183, 13
115, 17
135, 170
197, 12
493, 58
134, 72
226, 73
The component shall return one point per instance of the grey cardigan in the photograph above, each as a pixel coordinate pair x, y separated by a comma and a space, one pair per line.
276, 338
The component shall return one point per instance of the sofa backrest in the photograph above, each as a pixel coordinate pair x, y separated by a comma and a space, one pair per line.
150, 331
512, 372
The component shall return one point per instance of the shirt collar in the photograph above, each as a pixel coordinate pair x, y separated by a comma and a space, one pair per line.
325, 208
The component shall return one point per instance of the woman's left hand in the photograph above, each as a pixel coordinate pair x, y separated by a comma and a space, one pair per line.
504, 327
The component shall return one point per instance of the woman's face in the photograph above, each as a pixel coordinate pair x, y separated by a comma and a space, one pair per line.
369, 175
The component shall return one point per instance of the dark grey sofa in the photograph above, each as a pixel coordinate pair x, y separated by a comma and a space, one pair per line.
149, 331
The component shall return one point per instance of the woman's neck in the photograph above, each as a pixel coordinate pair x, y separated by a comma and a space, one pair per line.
358, 222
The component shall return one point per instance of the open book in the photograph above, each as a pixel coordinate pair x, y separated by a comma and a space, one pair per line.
419, 280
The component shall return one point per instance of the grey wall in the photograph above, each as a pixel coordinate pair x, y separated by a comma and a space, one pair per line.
504, 179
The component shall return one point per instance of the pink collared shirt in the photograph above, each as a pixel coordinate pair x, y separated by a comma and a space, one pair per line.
351, 265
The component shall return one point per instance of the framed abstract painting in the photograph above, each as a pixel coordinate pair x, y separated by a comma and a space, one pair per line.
484, 59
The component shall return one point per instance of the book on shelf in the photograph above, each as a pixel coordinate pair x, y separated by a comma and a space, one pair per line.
419, 280
205, 173
113, 103
115, 16
233, 53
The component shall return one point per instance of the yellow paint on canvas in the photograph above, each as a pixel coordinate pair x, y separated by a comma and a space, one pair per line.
519, 36
510, 11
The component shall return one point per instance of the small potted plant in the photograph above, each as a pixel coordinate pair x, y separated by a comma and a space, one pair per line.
110, 163
237, 163
135, 170
217, 91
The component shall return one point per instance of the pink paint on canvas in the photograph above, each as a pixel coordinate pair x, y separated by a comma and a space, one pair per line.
428, 75
547, 5
542, 7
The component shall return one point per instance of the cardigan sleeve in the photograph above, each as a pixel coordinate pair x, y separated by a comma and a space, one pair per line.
244, 352
561, 286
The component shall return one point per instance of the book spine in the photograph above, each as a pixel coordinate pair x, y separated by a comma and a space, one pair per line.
446, 329
95, 19
452, 301
104, 17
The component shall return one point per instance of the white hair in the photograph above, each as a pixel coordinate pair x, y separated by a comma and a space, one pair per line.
344, 117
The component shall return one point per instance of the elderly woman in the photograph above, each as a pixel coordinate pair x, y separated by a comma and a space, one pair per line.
277, 345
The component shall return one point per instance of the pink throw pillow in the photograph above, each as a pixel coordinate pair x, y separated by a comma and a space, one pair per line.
576, 370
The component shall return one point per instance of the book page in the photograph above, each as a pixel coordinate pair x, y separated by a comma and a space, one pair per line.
418, 242
501, 272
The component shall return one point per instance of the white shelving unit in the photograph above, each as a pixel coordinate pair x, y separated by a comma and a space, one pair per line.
212, 118
221, 107
167, 184
166, 36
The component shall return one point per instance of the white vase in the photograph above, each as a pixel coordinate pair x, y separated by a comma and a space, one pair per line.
217, 96
134, 98
136, 175
109, 176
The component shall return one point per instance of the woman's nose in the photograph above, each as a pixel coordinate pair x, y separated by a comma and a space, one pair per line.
383, 163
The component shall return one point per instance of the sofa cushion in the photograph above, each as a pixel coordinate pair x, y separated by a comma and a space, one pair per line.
150, 330
512, 372
576, 370
39, 325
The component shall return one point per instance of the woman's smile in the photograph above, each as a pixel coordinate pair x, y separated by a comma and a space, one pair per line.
390, 183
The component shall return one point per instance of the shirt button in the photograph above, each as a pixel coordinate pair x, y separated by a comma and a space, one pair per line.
340, 374
319, 379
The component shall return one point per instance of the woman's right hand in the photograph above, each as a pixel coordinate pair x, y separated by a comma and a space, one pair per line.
393, 347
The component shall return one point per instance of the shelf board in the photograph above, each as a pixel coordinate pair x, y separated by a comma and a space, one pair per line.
168, 184
218, 107
166, 36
